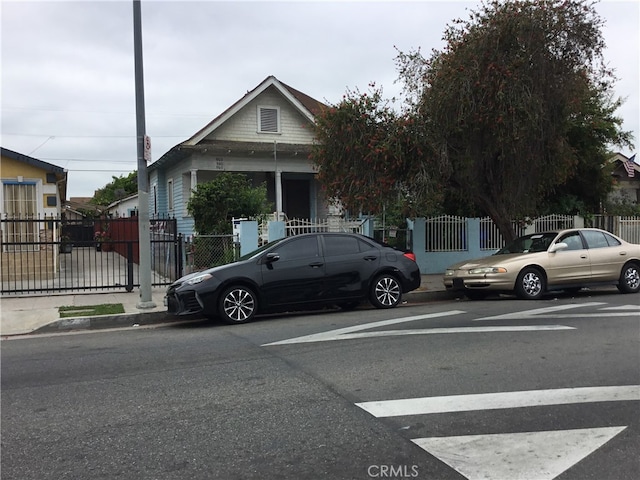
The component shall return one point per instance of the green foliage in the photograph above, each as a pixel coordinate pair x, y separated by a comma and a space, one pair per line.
120, 187
214, 204
518, 105
369, 156
623, 208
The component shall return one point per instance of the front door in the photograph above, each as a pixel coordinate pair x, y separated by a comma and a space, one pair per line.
571, 265
296, 198
297, 277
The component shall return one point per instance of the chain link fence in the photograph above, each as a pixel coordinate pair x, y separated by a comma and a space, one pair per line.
206, 251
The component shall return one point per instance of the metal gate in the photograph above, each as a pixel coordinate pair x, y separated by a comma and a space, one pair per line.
39, 255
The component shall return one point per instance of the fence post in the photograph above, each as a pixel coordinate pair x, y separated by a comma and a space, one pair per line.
276, 230
248, 230
177, 251
129, 286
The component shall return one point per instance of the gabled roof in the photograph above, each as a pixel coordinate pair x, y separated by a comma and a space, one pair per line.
626, 167
5, 152
306, 105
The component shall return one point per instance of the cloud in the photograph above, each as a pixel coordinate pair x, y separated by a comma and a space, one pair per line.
68, 92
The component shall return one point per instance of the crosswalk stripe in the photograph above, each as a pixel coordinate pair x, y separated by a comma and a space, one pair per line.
491, 401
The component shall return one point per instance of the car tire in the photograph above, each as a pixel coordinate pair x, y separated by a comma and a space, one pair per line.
386, 291
629, 278
530, 284
238, 304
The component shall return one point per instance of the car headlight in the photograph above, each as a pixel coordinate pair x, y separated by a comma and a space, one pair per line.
199, 278
483, 270
449, 273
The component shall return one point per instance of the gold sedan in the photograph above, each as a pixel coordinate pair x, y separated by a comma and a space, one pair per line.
560, 260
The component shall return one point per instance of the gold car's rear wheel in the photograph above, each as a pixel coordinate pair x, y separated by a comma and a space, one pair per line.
530, 284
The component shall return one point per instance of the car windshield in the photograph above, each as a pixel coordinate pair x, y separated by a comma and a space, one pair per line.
536, 242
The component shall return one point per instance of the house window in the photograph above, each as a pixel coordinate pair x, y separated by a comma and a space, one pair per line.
170, 194
20, 202
155, 199
268, 120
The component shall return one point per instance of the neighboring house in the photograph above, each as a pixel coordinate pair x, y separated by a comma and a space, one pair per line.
35, 190
123, 208
267, 135
626, 173
78, 208
31, 187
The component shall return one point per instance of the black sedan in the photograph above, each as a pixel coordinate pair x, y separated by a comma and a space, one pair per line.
297, 273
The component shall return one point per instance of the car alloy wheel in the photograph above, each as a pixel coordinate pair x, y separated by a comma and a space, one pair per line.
386, 292
630, 279
237, 305
530, 284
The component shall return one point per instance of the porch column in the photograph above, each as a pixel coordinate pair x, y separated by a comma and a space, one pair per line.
278, 194
194, 181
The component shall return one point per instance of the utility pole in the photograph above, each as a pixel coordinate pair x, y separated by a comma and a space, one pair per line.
144, 234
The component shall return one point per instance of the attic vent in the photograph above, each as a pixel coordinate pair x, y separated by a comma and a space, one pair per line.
268, 118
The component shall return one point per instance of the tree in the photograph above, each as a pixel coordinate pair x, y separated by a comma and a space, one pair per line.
230, 195
518, 100
369, 156
120, 187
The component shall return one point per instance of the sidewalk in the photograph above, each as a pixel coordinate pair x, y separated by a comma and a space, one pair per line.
39, 314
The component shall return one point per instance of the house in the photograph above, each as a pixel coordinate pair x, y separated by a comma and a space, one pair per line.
124, 208
266, 135
34, 190
626, 173
31, 187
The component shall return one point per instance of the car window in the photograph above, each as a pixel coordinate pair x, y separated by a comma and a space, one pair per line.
573, 241
599, 239
340, 245
611, 240
537, 242
305, 247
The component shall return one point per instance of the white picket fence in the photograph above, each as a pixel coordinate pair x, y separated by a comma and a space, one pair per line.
448, 233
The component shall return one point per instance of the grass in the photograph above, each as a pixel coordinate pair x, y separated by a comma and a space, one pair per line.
90, 310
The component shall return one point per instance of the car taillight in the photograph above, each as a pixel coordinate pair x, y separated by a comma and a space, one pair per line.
410, 256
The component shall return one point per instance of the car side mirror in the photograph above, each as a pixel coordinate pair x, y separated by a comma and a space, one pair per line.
558, 246
271, 257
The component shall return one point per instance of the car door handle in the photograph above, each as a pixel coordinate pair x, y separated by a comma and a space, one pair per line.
370, 258
622, 253
583, 256
316, 264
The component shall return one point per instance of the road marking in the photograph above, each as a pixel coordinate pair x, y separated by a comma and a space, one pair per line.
538, 312
624, 307
492, 401
526, 455
350, 333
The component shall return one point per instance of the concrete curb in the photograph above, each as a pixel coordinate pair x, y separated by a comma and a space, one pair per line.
159, 317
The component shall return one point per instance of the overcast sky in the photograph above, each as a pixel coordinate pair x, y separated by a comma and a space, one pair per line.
67, 68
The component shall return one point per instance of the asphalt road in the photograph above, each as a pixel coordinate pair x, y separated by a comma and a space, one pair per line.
498, 389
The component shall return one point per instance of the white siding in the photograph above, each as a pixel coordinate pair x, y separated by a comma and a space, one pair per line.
243, 126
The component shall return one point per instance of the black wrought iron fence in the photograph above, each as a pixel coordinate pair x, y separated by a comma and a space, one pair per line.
56, 255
